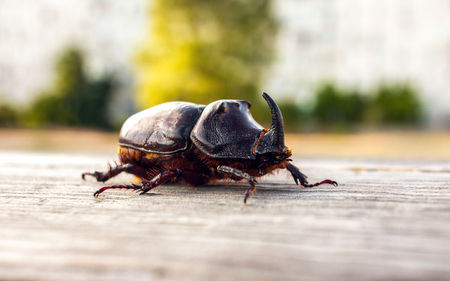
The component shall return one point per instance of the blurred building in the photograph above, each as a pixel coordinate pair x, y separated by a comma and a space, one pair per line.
356, 43
360, 43
32, 33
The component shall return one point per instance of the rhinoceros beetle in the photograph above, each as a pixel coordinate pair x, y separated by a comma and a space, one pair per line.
197, 144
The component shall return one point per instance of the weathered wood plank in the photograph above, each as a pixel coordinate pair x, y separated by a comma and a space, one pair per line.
386, 220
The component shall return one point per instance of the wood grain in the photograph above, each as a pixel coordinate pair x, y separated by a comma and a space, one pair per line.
388, 219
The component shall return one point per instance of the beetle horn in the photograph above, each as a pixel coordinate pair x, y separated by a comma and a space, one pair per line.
277, 126
273, 140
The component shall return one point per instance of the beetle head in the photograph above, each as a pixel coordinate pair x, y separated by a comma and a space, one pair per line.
226, 129
273, 140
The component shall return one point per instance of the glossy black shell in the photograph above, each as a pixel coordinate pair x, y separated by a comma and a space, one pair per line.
162, 129
223, 129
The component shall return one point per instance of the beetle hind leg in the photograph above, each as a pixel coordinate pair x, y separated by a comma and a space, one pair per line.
114, 171
191, 177
299, 176
145, 186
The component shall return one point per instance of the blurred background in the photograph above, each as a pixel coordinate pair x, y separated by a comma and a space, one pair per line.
352, 77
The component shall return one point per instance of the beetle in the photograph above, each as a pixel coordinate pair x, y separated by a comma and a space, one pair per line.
196, 144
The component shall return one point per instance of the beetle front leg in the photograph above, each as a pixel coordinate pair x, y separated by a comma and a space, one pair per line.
240, 175
299, 176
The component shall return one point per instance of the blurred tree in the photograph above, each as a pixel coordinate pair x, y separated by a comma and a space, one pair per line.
328, 108
354, 104
46, 110
337, 107
203, 50
294, 117
396, 104
73, 100
9, 115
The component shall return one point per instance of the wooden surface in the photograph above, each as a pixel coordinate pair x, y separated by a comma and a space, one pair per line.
388, 219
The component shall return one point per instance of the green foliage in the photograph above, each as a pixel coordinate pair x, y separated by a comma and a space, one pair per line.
201, 50
70, 76
294, 118
9, 116
336, 107
395, 104
46, 110
74, 100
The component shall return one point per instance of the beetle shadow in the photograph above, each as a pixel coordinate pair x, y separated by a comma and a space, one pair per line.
150, 194
268, 190
238, 187
182, 188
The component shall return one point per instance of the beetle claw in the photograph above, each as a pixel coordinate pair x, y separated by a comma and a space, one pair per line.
97, 175
306, 184
248, 192
83, 175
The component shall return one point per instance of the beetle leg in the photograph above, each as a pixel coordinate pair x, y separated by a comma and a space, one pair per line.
299, 176
191, 177
188, 176
145, 185
159, 179
132, 186
241, 175
114, 171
